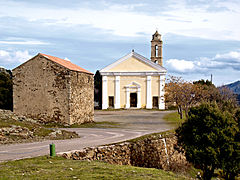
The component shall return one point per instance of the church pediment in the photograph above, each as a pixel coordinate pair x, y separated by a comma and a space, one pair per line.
134, 62
133, 85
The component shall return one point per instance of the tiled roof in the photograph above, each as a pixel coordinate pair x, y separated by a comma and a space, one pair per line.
65, 63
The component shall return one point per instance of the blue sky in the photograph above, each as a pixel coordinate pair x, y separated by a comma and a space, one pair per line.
200, 37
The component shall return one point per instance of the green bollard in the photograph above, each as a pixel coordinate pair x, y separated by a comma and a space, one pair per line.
52, 150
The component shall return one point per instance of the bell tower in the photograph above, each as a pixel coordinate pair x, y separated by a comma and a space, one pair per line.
156, 48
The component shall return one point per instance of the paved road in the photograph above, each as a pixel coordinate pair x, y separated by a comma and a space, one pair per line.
134, 124
135, 119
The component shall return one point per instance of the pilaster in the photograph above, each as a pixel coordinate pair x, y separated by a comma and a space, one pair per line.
117, 92
139, 98
149, 93
161, 92
104, 92
127, 98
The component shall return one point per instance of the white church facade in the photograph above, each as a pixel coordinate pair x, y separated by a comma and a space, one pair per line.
134, 81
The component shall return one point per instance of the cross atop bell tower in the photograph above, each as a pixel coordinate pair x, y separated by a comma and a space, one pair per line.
156, 48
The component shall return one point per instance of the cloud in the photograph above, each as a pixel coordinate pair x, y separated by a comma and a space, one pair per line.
66, 59
180, 65
21, 56
4, 54
13, 57
233, 55
24, 42
126, 20
204, 64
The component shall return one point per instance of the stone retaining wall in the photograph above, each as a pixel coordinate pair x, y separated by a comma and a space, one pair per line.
153, 152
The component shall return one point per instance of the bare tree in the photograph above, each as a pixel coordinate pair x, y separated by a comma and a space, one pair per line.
184, 94
187, 94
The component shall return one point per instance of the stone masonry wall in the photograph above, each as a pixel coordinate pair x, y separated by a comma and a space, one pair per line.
152, 152
41, 90
81, 98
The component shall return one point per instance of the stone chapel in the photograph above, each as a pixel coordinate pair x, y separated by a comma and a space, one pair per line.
54, 90
134, 81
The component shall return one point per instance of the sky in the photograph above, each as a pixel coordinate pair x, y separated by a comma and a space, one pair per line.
200, 37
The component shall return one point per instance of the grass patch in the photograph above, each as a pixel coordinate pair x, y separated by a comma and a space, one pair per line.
59, 168
103, 124
34, 131
174, 119
164, 134
37, 129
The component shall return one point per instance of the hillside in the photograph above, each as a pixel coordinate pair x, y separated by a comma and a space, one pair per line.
235, 87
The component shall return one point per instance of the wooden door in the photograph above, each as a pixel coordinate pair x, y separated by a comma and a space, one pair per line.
155, 102
111, 101
133, 99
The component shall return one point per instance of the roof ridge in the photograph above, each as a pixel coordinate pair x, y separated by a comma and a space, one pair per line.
68, 64
138, 56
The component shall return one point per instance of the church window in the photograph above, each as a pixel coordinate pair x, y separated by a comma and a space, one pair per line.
156, 50
155, 101
111, 101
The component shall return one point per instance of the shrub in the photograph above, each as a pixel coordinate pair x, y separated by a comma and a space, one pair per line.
6, 99
208, 137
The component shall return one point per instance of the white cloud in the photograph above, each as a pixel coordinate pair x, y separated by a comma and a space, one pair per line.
13, 57
24, 42
21, 56
230, 55
124, 20
4, 54
204, 64
180, 65
66, 59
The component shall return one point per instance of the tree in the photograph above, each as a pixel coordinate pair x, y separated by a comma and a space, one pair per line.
6, 91
230, 156
227, 100
98, 88
184, 94
207, 137
203, 82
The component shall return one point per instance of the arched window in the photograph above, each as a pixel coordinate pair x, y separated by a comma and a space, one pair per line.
156, 50
156, 61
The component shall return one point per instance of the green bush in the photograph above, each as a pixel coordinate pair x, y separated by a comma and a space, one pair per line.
209, 139
230, 160
6, 90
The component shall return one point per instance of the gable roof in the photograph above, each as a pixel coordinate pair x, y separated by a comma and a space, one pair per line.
65, 63
140, 58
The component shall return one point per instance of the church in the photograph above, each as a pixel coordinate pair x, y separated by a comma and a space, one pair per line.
134, 81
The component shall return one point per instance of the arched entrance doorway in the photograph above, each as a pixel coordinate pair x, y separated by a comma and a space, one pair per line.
133, 99
133, 95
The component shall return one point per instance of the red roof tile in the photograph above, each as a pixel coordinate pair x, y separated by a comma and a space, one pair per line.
65, 63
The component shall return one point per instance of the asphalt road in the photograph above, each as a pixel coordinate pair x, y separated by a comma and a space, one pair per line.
134, 123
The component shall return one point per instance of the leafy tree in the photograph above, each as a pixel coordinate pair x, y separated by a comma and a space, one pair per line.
203, 82
208, 136
6, 90
230, 156
98, 88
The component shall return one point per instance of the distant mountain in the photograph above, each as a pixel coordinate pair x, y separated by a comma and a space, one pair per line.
235, 87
